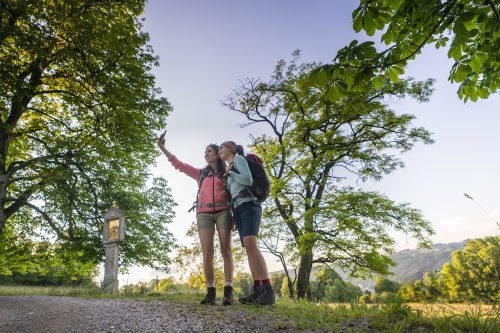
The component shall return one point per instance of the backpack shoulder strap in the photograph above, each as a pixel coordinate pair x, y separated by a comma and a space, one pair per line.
204, 172
247, 191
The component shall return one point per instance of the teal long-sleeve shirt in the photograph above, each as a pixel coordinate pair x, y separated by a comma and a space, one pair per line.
237, 181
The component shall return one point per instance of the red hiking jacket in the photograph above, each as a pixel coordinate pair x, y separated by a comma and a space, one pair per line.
212, 196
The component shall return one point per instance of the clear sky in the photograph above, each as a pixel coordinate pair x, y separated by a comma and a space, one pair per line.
206, 47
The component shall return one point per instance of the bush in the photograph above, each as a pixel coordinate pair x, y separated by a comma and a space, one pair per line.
365, 299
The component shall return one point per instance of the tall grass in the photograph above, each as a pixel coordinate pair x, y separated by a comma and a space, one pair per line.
87, 291
470, 318
393, 316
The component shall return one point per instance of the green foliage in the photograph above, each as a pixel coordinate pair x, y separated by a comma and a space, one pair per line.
284, 291
329, 287
317, 143
425, 290
342, 291
365, 298
473, 274
154, 287
23, 261
242, 282
165, 285
196, 279
471, 30
16, 253
277, 282
383, 284
78, 114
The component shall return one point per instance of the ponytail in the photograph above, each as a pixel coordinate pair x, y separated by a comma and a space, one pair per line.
240, 150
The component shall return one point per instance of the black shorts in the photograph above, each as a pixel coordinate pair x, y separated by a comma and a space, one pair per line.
247, 218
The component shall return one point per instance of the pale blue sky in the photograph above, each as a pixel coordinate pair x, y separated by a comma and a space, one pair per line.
205, 47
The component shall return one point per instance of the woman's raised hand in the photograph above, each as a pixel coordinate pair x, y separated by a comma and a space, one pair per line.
161, 139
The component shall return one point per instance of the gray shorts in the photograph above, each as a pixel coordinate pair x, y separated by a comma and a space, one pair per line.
222, 219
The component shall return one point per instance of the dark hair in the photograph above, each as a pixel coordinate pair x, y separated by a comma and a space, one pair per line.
220, 163
240, 150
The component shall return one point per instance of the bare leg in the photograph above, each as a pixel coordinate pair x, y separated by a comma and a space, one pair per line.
256, 261
207, 245
227, 255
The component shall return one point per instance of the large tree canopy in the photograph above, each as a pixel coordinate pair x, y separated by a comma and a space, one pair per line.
78, 113
470, 28
315, 144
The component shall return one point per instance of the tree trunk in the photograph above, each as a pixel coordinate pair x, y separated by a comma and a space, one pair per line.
305, 268
290, 288
3, 219
4, 180
26, 84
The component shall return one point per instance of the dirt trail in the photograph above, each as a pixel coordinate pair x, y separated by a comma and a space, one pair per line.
21, 314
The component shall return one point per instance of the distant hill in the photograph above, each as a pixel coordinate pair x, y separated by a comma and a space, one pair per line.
410, 264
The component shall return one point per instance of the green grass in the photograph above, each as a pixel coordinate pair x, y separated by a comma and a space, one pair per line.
89, 291
392, 317
300, 314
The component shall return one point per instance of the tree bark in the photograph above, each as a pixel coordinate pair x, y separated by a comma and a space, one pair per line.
305, 268
3, 219
20, 101
290, 287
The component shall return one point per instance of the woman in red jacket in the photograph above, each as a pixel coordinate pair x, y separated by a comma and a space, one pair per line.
212, 211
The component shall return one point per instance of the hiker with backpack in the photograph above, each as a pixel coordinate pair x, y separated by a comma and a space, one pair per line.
212, 211
248, 185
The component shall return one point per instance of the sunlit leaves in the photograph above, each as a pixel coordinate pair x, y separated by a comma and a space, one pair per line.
23, 260
370, 19
472, 27
394, 72
79, 112
473, 273
477, 60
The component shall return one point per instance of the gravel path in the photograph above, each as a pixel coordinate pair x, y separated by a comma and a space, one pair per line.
68, 314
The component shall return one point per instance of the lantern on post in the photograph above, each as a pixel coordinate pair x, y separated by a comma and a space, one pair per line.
113, 235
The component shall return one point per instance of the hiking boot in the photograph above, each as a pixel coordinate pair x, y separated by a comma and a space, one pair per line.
209, 298
266, 296
254, 293
228, 296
